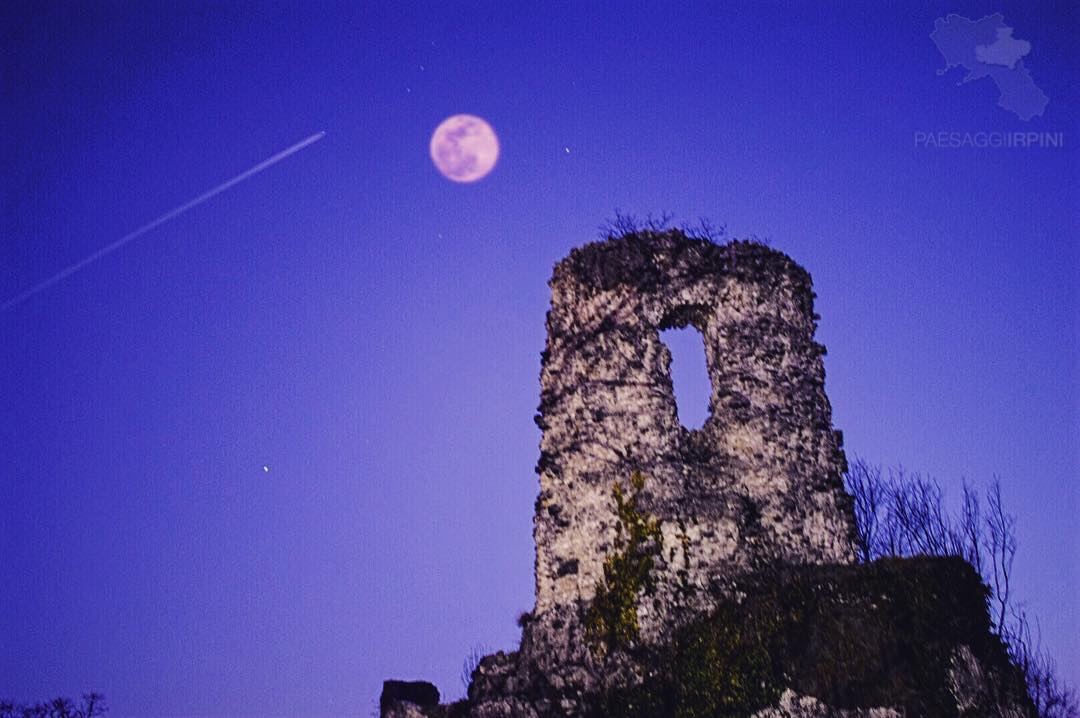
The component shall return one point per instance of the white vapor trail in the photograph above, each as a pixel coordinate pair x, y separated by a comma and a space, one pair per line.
109, 249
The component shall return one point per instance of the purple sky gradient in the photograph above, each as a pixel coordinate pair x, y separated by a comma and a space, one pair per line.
371, 332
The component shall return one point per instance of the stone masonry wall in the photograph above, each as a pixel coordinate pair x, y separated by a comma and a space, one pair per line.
761, 480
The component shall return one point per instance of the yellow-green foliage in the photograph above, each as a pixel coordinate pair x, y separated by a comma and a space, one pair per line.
612, 621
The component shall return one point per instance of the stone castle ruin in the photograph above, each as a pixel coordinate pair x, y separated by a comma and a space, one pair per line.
760, 480
727, 568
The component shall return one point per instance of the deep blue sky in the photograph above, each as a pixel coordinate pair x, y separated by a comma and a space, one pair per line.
371, 332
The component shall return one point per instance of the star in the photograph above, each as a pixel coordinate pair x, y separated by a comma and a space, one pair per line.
266, 469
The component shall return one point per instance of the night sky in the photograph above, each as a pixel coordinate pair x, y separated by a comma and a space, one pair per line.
281, 447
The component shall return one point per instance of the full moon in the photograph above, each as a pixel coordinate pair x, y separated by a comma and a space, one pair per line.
464, 148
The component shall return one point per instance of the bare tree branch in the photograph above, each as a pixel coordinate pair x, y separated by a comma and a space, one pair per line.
904, 515
92, 706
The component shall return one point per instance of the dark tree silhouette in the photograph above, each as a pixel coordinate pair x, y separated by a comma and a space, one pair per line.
899, 513
92, 705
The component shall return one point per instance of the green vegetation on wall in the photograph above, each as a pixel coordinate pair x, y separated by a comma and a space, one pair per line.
611, 621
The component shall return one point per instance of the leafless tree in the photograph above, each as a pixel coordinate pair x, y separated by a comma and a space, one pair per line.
1001, 540
866, 486
903, 514
1052, 698
476, 653
970, 527
92, 705
704, 229
622, 224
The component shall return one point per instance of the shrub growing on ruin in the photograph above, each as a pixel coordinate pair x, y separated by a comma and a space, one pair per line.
611, 620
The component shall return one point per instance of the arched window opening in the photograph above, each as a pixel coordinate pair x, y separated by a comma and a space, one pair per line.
689, 375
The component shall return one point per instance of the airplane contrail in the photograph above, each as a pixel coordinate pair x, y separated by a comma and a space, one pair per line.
109, 249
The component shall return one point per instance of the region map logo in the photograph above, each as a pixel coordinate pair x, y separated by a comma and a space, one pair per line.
987, 48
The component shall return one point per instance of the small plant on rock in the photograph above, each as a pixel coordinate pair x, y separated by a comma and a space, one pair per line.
611, 621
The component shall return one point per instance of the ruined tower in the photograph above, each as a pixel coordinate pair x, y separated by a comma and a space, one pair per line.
760, 481
753, 604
